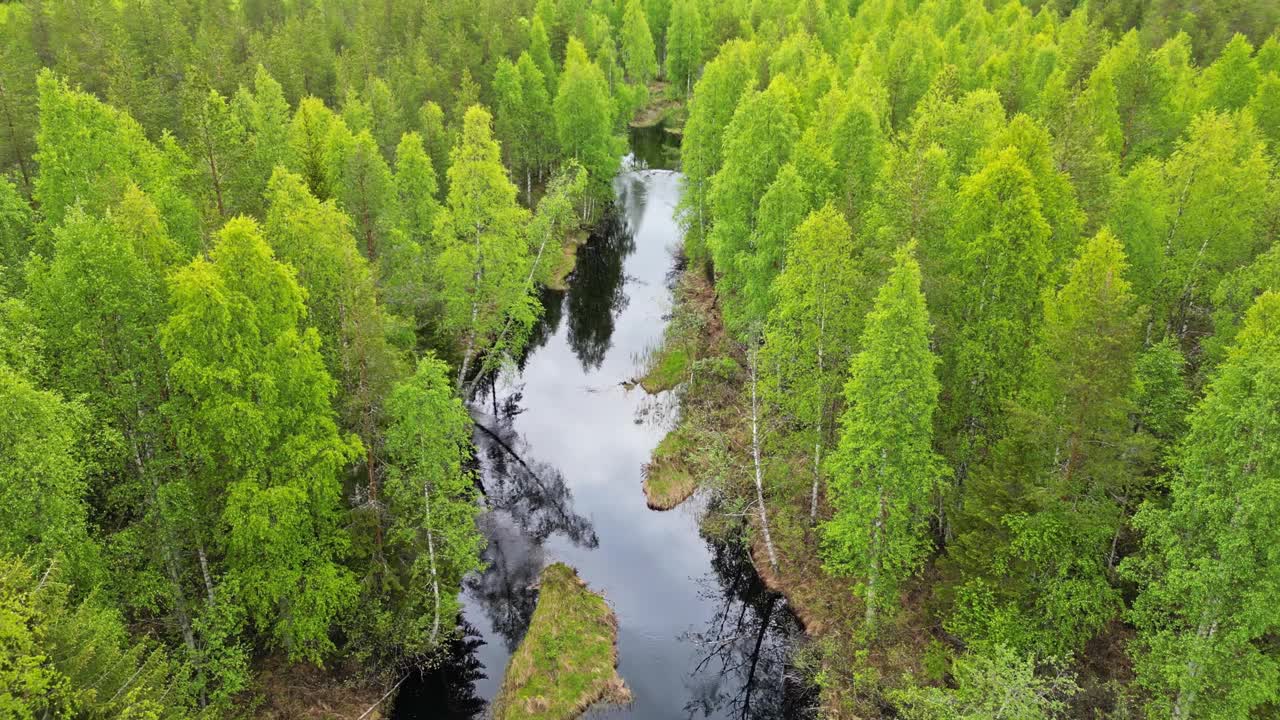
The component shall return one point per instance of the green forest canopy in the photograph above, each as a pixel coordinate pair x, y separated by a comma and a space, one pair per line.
247, 248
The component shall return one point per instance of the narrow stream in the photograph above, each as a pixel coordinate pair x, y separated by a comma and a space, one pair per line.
561, 454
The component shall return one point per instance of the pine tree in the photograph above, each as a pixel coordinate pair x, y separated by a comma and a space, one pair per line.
309, 146
884, 473
216, 139
1208, 575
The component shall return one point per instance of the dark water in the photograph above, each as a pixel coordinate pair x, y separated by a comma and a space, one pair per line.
561, 451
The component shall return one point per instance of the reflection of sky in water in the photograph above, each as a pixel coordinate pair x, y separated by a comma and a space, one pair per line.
575, 495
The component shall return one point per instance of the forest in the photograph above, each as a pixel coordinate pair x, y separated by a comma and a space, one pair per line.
976, 339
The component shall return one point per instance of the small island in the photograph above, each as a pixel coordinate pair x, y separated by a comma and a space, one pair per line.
568, 659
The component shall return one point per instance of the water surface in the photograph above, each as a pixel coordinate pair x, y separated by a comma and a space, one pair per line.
561, 446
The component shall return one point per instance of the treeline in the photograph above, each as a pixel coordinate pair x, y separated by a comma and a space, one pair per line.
252, 257
1006, 279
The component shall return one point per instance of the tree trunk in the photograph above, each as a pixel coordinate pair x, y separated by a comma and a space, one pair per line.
431, 555
873, 571
755, 454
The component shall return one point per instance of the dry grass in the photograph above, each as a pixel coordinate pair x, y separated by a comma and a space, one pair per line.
301, 690
568, 659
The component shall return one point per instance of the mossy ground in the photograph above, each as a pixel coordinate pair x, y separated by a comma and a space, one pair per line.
668, 480
568, 659
566, 261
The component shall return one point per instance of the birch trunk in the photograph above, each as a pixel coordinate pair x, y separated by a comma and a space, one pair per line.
755, 454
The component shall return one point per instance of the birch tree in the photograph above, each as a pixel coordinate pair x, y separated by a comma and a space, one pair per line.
432, 503
484, 256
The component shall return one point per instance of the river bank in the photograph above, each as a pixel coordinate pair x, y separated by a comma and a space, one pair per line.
712, 445
561, 444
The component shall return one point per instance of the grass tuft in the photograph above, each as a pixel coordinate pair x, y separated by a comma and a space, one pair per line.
568, 659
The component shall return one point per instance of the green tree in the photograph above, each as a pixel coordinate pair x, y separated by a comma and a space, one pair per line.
685, 44
66, 658
365, 188
90, 154
1043, 516
637, 44
250, 406
316, 240
540, 51
309, 146
484, 257
813, 326
884, 473
16, 240
584, 119
723, 81
432, 503
997, 259
217, 140
42, 479
1206, 607
436, 141
540, 142
416, 190
994, 683
757, 144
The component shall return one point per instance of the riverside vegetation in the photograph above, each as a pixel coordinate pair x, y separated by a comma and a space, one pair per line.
980, 330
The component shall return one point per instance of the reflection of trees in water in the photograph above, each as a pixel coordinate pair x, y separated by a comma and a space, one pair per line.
505, 588
528, 502
598, 294
742, 663
532, 492
548, 323
448, 691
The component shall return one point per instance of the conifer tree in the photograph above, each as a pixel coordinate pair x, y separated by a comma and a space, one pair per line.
884, 472
1209, 571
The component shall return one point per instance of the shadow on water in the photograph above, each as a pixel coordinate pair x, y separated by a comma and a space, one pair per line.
560, 444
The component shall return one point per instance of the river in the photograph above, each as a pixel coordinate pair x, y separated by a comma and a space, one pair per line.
561, 451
